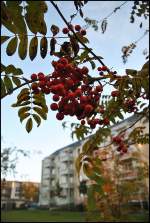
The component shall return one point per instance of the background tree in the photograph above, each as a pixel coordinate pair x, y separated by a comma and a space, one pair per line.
30, 191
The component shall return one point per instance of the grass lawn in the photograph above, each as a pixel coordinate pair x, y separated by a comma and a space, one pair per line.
46, 216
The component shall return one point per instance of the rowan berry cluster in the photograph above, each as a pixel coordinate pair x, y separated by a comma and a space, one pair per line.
122, 147
75, 28
71, 93
130, 105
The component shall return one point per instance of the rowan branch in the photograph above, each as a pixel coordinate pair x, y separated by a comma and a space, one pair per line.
83, 44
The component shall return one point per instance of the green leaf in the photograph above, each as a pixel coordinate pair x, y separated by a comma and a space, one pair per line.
22, 50
16, 81
131, 72
41, 112
24, 116
75, 45
16, 13
42, 25
23, 92
3, 68
12, 46
24, 97
37, 119
4, 38
43, 47
18, 71
6, 18
23, 110
55, 30
18, 104
8, 84
87, 170
10, 69
3, 89
93, 65
33, 47
29, 125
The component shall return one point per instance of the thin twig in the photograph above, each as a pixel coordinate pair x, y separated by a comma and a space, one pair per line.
68, 25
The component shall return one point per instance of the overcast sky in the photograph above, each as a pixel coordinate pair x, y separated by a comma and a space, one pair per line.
50, 136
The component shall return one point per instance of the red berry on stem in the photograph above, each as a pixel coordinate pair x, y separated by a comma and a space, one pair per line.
54, 107
41, 76
84, 70
56, 97
34, 77
101, 110
77, 27
65, 30
106, 121
104, 68
88, 108
83, 32
60, 116
99, 68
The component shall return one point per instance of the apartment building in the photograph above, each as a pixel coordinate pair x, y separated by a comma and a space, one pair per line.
17, 193
59, 184
59, 181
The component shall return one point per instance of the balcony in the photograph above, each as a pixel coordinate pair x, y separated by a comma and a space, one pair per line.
65, 158
66, 171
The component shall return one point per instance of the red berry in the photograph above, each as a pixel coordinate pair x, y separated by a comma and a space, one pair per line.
41, 84
99, 88
100, 122
82, 122
56, 97
65, 30
106, 121
54, 107
115, 93
60, 116
60, 66
69, 83
88, 108
34, 77
117, 139
41, 76
83, 99
64, 61
77, 27
83, 32
84, 70
78, 92
101, 110
104, 68
46, 90
71, 95
99, 68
